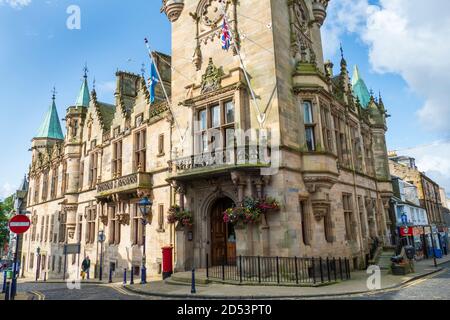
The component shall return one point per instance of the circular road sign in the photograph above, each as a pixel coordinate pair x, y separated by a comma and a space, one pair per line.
19, 224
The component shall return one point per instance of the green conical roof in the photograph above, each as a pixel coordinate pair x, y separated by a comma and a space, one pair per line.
360, 89
51, 127
83, 96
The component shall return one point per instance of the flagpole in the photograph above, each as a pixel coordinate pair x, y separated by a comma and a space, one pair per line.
164, 89
261, 116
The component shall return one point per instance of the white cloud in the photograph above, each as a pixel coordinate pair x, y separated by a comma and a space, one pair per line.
16, 4
408, 38
6, 190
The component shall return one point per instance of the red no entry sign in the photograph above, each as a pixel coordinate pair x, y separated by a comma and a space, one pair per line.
19, 224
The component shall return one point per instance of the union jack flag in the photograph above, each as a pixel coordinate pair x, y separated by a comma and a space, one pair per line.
226, 36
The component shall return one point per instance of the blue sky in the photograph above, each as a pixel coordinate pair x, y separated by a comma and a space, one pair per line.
38, 52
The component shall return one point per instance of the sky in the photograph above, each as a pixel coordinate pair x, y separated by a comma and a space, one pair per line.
400, 46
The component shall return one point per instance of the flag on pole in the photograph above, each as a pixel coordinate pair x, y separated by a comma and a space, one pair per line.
226, 35
153, 81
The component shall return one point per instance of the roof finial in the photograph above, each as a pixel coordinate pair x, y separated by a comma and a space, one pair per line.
85, 70
342, 51
54, 93
343, 61
93, 84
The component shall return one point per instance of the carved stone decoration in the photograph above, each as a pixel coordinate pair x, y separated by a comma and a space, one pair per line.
320, 11
212, 78
124, 218
173, 9
301, 42
319, 188
197, 58
104, 219
71, 233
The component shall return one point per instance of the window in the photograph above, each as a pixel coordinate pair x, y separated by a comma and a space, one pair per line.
47, 218
326, 130
93, 162
161, 217
309, 126
54, 183
215, 129
348, 216
53, 262
229, 112
80, 228
306, 223
362, 217
36, 190
62, 227
90, 225
42, 229
81, 176
137, 227
33, 233
45, 187
161, 145
117, 159
215, 116
114, 226
357, 153
140, 154
202, 120
65, 179
52, 223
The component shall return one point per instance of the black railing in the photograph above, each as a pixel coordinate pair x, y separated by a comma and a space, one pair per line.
280, 270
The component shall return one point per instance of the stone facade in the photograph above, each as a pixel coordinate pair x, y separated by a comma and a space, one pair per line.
284, 126
428, 190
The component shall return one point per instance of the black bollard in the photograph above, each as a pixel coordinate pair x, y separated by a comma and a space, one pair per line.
124, 276
7, 290
193, 291
4, 282
110, 275
131, 276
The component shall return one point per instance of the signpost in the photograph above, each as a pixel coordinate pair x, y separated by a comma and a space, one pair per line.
18, 224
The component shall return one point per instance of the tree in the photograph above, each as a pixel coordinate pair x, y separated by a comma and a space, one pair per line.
5, 213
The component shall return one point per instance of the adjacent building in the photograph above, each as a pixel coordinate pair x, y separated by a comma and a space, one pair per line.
279, 125
429, 196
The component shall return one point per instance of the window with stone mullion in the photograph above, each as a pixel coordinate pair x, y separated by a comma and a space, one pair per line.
140, 150
117, 159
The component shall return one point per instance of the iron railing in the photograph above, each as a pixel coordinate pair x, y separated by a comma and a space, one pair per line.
280, 270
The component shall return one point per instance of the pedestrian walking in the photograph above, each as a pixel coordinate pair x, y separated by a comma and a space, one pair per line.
85, 266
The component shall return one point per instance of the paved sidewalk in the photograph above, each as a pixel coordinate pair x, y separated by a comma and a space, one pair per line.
357, 285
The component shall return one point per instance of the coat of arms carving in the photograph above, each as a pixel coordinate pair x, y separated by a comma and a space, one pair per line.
212, 78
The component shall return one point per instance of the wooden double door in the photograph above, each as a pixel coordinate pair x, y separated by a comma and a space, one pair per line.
223, 237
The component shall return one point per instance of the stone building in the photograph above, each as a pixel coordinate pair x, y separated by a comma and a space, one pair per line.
280, 124
429, 191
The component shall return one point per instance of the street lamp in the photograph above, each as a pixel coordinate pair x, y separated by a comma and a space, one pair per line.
145, 205
38, 262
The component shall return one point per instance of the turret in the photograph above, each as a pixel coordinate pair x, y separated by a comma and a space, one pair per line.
173, 9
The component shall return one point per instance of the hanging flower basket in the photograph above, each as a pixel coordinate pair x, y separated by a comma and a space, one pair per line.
183, 217
250, 211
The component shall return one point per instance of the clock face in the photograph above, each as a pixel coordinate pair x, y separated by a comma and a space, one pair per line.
212, 13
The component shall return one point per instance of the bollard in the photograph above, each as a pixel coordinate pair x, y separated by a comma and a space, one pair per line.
132, 276
7, 290
45, 276
110, 275
193, 291
4, 282
124, 276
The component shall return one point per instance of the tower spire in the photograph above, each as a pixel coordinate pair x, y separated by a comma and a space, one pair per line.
51, 127
83, 97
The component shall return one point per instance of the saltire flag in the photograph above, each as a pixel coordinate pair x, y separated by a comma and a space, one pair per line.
153, 81
226, 35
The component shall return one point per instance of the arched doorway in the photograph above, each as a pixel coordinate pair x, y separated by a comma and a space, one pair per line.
223, 236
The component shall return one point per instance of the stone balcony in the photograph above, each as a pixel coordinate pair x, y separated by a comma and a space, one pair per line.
219, 162
127, 186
